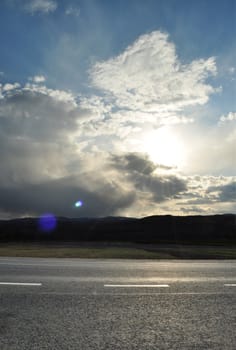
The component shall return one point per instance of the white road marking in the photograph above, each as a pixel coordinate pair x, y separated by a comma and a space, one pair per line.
20, 284
230, 285
137, 285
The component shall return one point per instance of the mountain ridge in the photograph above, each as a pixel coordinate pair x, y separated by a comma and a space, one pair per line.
150, 229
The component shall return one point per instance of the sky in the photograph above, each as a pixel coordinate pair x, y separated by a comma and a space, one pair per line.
117, 108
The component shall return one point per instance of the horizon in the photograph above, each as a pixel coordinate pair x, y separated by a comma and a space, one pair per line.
117, 109
114, 217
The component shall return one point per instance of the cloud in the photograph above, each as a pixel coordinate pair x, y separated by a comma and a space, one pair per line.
228, 192
115, 189
209, 195
140, 172
225, 193
192, 210
48, 158
43, 166
37, 133
40, 6
38, 79
134, 162
231, 116
46, 167
8, 87
231, 70
58, 147
148, 79
209, 147
72, 11
37, 112
144, 87
59, 196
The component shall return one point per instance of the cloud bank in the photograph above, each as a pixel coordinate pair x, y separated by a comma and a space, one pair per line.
148, 78
40, 6
58, 147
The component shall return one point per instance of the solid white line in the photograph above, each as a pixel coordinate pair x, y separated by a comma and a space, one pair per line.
20, 284
230, 285
137, 285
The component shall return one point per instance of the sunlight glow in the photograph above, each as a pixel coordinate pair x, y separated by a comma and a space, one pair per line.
164, 147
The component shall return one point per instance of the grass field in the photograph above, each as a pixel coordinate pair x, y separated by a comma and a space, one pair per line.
126, 252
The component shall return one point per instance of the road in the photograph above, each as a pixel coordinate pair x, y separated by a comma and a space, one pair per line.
117, 304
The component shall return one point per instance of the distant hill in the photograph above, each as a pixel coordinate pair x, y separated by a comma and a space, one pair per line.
151, 229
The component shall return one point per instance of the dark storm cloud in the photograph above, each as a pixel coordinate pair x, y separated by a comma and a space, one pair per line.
225, 193
139, 170
196, 201
37, 127
131, 162
24, 161
160, 187
59, 197
37, 138
190, 210
39, 115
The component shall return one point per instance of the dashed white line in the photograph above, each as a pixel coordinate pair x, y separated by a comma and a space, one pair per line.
230, 285
136, 285
20, 284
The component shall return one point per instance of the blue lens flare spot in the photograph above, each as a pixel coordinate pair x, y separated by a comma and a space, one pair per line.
47, 222
78, 204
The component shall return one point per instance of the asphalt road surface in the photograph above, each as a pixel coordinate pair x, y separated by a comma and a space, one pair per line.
117, 304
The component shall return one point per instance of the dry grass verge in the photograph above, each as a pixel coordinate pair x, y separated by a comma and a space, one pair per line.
102, 251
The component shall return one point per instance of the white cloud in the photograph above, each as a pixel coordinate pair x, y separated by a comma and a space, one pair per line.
227, 118
143, 88
231, 70
208, 195
43, 6
148, 78
72, 11
59, 95
38, 79
9, 87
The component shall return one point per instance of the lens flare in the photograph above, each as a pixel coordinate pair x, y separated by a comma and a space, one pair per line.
78, 204
47, 222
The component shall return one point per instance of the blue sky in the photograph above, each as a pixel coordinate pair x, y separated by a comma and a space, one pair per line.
104, 87
198, 29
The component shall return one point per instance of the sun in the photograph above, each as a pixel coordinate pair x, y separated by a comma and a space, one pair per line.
164, 147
